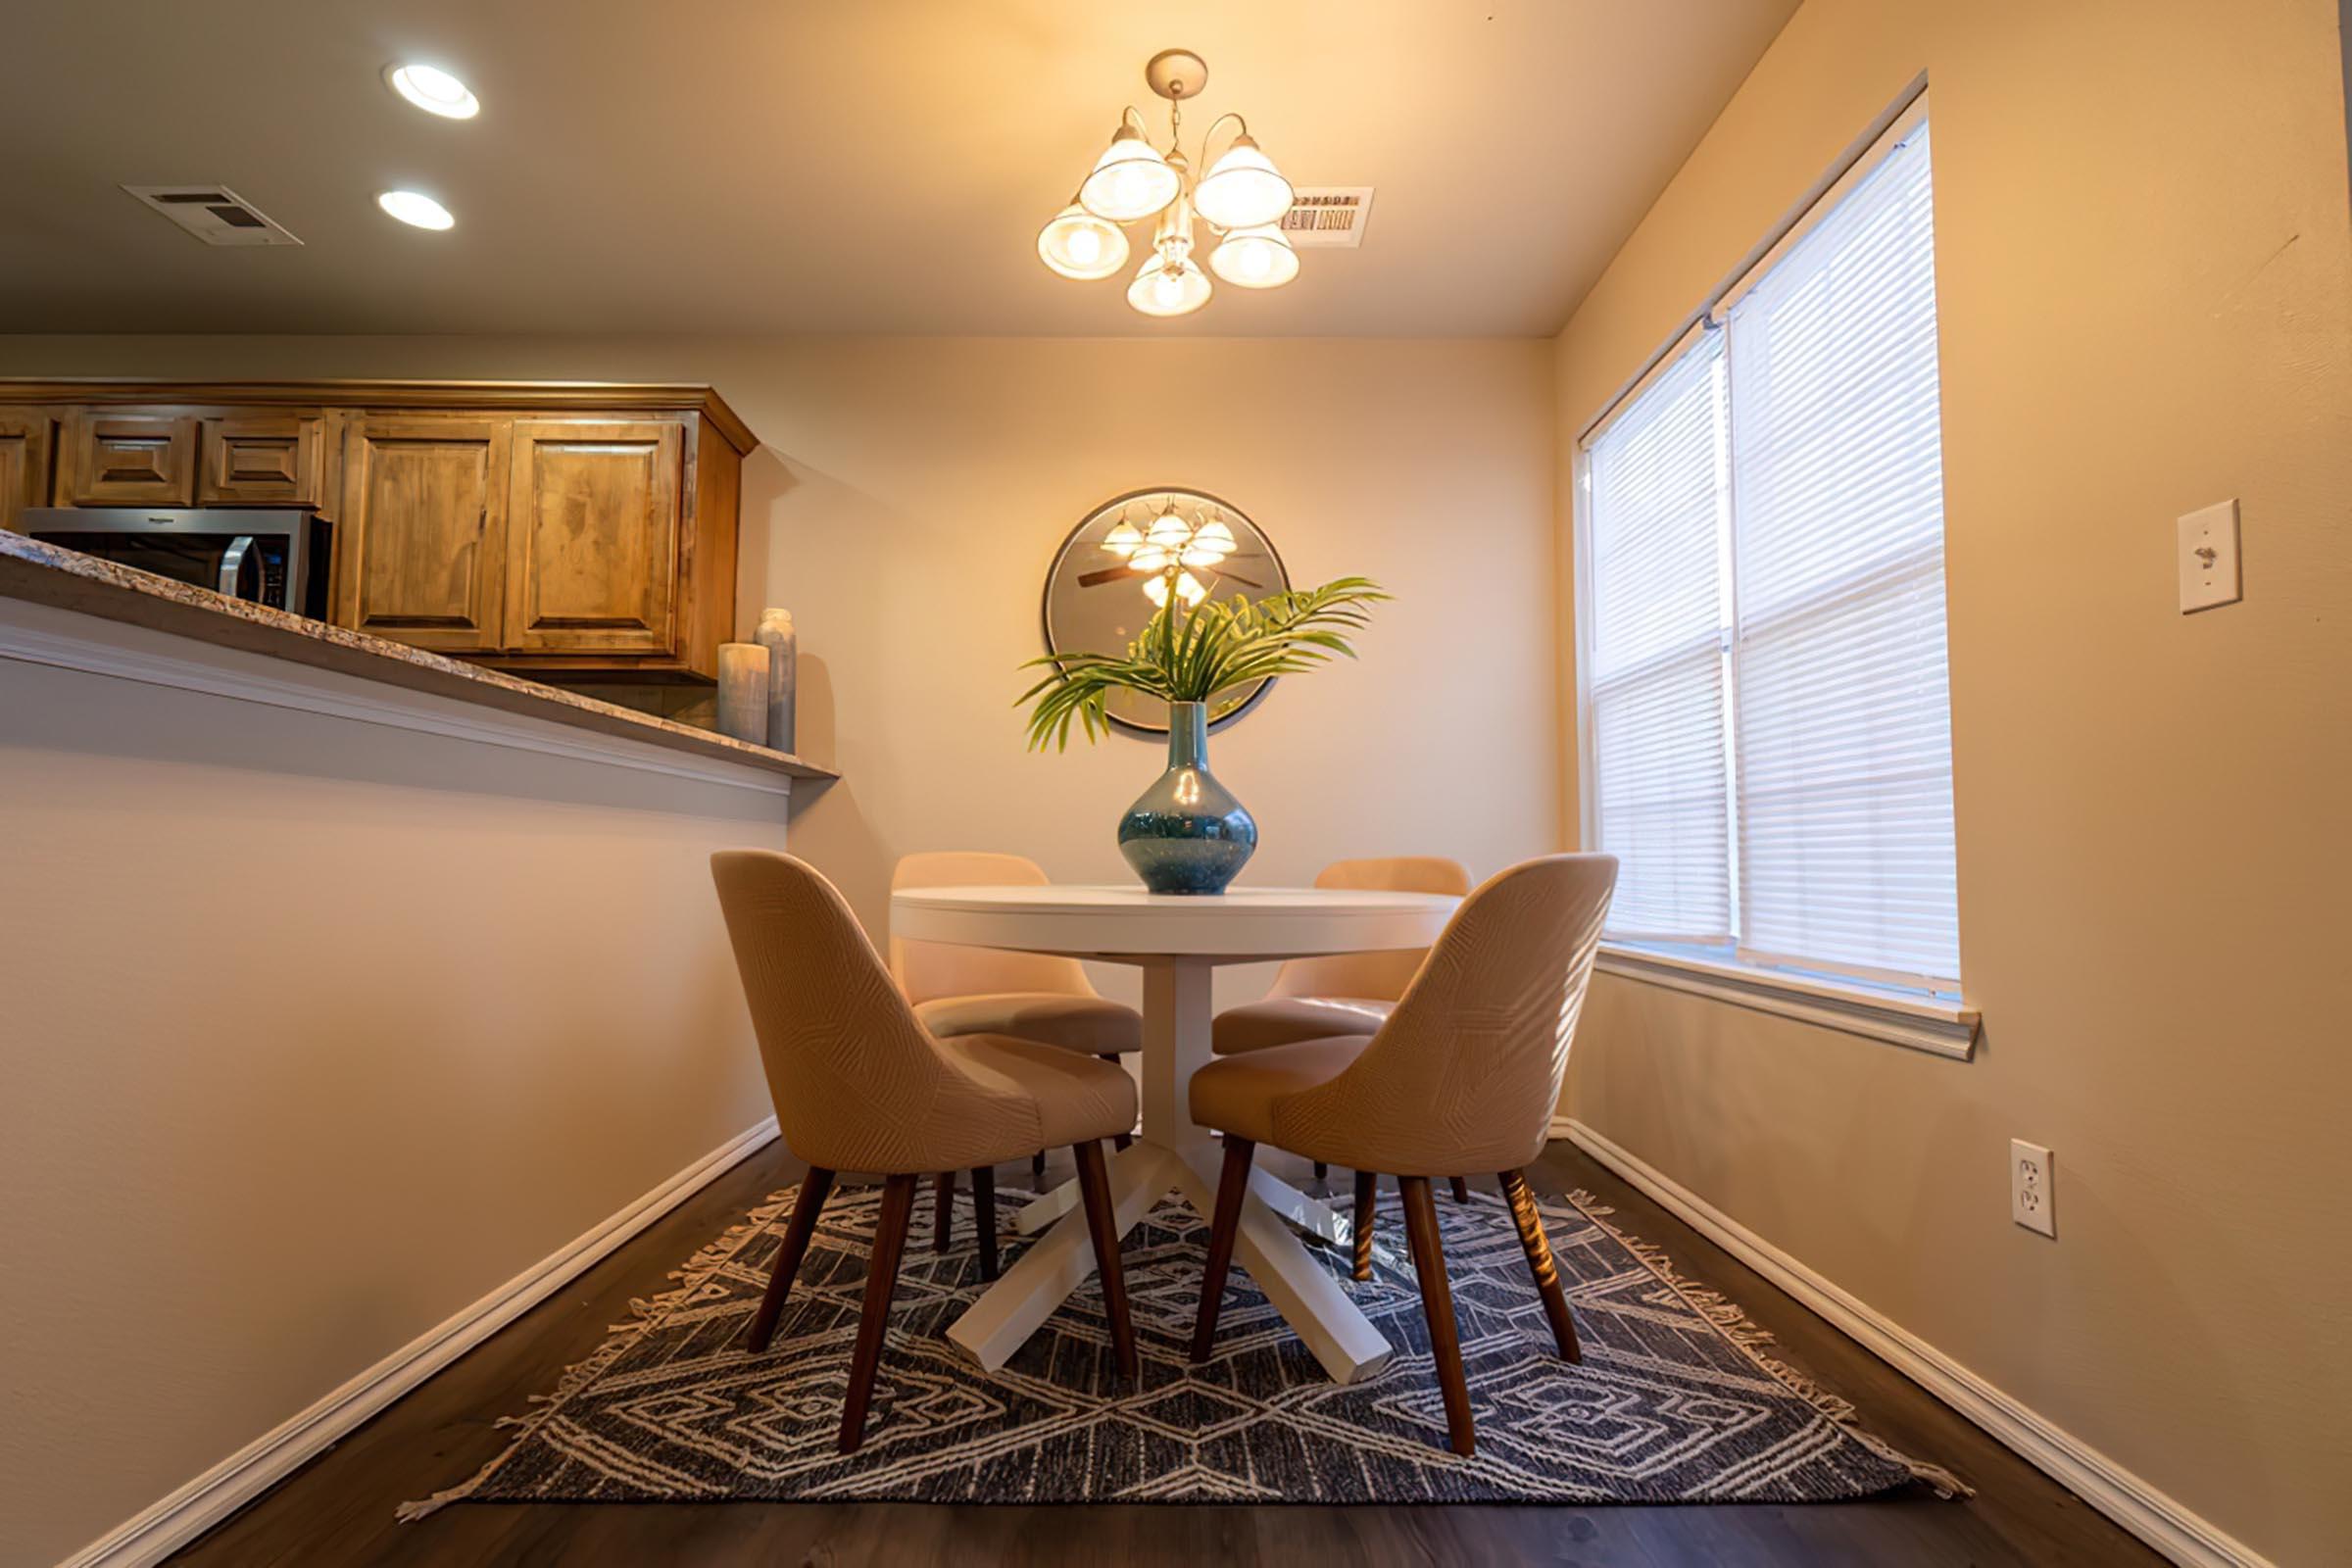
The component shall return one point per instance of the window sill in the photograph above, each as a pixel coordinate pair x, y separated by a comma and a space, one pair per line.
1923, 1023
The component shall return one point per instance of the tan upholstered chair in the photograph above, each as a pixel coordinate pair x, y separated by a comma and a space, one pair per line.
860, 1085
1349, 993
982, 991
986, 991
1462, 1077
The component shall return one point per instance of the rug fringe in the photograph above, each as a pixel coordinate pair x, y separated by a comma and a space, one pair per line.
408, 1513
1731, 1320
645, 1314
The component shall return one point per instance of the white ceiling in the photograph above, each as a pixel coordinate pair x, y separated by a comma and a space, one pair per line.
765, 167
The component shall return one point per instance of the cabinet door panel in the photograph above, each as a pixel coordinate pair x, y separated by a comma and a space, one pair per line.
263, 460
23, 463
130, 459
592, 557
423, 536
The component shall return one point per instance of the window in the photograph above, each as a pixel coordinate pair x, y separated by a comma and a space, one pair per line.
1770, 734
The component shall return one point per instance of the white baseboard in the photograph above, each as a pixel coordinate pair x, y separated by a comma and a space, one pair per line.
170, 1524
2153, 1516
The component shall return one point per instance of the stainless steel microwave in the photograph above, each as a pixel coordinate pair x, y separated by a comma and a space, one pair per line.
276, 558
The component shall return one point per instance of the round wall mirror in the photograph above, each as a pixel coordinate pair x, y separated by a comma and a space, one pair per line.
1096, 602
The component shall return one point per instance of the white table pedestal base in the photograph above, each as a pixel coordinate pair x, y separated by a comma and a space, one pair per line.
1174, 1155
1041, 1212
1302, 1209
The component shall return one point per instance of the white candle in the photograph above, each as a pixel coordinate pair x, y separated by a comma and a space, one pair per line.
743, 691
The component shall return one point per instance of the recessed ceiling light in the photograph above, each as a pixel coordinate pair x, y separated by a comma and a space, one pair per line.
414, 207
435, 90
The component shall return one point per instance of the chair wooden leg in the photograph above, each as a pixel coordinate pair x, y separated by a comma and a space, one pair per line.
1119, 1140
1037, 1165
984, 1217
1368, 1198
1233, 1184
942, 1210
1540, 1264
1094, 1190
1461, 1190
1437, 1305
881, 1278
816, 1188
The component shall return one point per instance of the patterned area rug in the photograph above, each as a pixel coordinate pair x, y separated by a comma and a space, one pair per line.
1675, 1400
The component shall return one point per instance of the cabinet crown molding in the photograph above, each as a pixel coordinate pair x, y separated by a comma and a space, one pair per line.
532, 396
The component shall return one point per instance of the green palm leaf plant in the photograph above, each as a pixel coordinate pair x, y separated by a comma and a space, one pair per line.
1194, 655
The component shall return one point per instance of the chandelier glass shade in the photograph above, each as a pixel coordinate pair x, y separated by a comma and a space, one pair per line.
1078, 244
1131, 181
1243, 189
1188, 589
1242, 200
1168, 531
1170, 284
1256, 257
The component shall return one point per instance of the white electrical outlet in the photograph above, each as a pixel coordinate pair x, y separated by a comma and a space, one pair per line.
2033, 1188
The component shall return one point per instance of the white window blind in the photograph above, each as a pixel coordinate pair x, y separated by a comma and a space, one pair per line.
1661, 790
1845, 751
1774, 497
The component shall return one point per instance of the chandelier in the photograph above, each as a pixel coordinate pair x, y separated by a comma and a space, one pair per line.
1241, 201
1166, 549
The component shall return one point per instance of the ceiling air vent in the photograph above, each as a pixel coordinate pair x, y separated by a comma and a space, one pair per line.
1328, 215
214, 214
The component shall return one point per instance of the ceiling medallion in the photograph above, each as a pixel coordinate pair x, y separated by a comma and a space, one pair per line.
1241, 201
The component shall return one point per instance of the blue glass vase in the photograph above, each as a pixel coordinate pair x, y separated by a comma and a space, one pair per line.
1187, 833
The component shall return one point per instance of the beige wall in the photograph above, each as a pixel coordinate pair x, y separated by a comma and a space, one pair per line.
297, 1201
912, 494
2143, 276
314, 1033
2145, 295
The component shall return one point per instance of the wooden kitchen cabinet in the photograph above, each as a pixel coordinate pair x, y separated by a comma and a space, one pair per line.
133, 460
23, 463
553, 530
592, 537
261, 460
421, 539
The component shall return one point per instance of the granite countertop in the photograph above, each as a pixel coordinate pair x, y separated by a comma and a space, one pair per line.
44, 573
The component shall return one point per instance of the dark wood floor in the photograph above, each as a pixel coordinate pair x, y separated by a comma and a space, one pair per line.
339, 1510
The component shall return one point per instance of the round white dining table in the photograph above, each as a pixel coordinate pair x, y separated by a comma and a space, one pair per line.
1177, 943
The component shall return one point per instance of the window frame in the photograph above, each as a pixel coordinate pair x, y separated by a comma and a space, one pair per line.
1908, 1011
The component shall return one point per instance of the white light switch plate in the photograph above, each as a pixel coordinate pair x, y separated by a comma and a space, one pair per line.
2209, 556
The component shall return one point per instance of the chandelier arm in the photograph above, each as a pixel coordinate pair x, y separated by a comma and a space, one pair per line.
1209, 135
